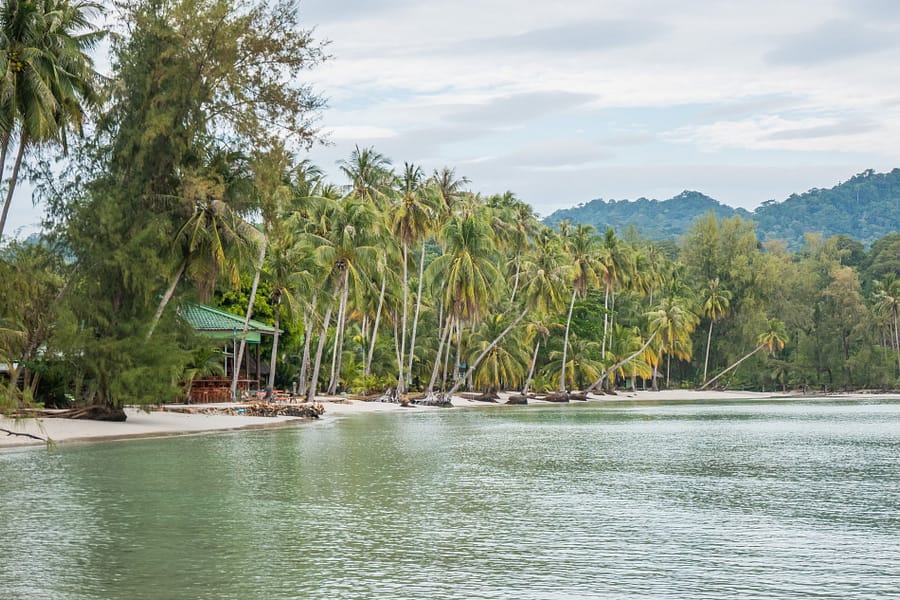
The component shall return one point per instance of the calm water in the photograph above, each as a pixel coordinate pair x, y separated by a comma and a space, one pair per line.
753, 500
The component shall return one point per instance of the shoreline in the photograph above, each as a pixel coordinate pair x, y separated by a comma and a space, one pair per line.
164, 423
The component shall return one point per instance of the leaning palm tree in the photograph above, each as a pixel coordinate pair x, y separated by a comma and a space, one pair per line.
715, 306
47, 77
672, 323
774, 338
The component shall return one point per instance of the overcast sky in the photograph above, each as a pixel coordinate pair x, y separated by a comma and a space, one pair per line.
563, 102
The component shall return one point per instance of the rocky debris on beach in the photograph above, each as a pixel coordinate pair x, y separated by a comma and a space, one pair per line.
257, 409
517, 399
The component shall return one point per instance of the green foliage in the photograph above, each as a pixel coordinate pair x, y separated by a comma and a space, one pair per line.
864, 208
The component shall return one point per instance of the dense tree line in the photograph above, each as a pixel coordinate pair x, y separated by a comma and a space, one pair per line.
390, 277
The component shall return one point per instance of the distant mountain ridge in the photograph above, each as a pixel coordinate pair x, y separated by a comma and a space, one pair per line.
866, 207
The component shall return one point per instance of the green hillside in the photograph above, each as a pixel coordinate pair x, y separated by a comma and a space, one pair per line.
866, 208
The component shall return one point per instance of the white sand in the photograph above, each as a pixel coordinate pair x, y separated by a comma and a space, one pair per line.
160, 423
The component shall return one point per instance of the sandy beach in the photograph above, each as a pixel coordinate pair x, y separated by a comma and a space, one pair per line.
157, 423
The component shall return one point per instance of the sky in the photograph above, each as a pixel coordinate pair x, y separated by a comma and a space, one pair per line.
565, 102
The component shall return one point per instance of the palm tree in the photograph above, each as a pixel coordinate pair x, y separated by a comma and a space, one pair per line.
618, 266
211, 238
449, 188
581, 364
503, 364
774, 338
46, 75
410, 222
582, 247
345, 249
887, 303
543, 291
370, 175
468, 275
715, 306
671, 322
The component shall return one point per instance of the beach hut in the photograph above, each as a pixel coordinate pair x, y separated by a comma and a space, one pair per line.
227, 329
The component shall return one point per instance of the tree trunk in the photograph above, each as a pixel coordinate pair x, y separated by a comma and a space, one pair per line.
412, 342
401, 380
253, 288
605, 321
314, 380
339, 336
708, 341
375, 326
170, 291
271, 383
13, 178
745, 357
474, 365
304, 363
537, 345
622, 362
437, 359
562, 376
512, 297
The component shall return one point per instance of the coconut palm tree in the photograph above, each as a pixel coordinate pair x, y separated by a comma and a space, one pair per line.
617, 268
543, 292
774, 338
370, 175
503, 365
47, 77
345, 250
887, 304
410, 221
211, 239
715, 306
449, 188
582, 247
671, 323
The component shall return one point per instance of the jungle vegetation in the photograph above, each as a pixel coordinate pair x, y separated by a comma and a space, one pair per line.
189, 184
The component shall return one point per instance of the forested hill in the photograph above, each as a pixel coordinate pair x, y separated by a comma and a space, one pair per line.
866, 208
654, 219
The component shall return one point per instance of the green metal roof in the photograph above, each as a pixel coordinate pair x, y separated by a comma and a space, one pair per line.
220, 324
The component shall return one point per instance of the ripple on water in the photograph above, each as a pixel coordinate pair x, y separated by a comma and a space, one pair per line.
750, 500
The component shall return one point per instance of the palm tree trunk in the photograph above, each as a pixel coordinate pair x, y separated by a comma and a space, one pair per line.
314, 380
165, 299
401, 380
13, 178
304, 363
474, 365
437, 359
622, 362
339, 337
459, 330
270, 385
745, 357
562, 376
897, 338
708, 340
412, 342
375, 326
512, 297
253, 288
605, 320
447, 357
537, 345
